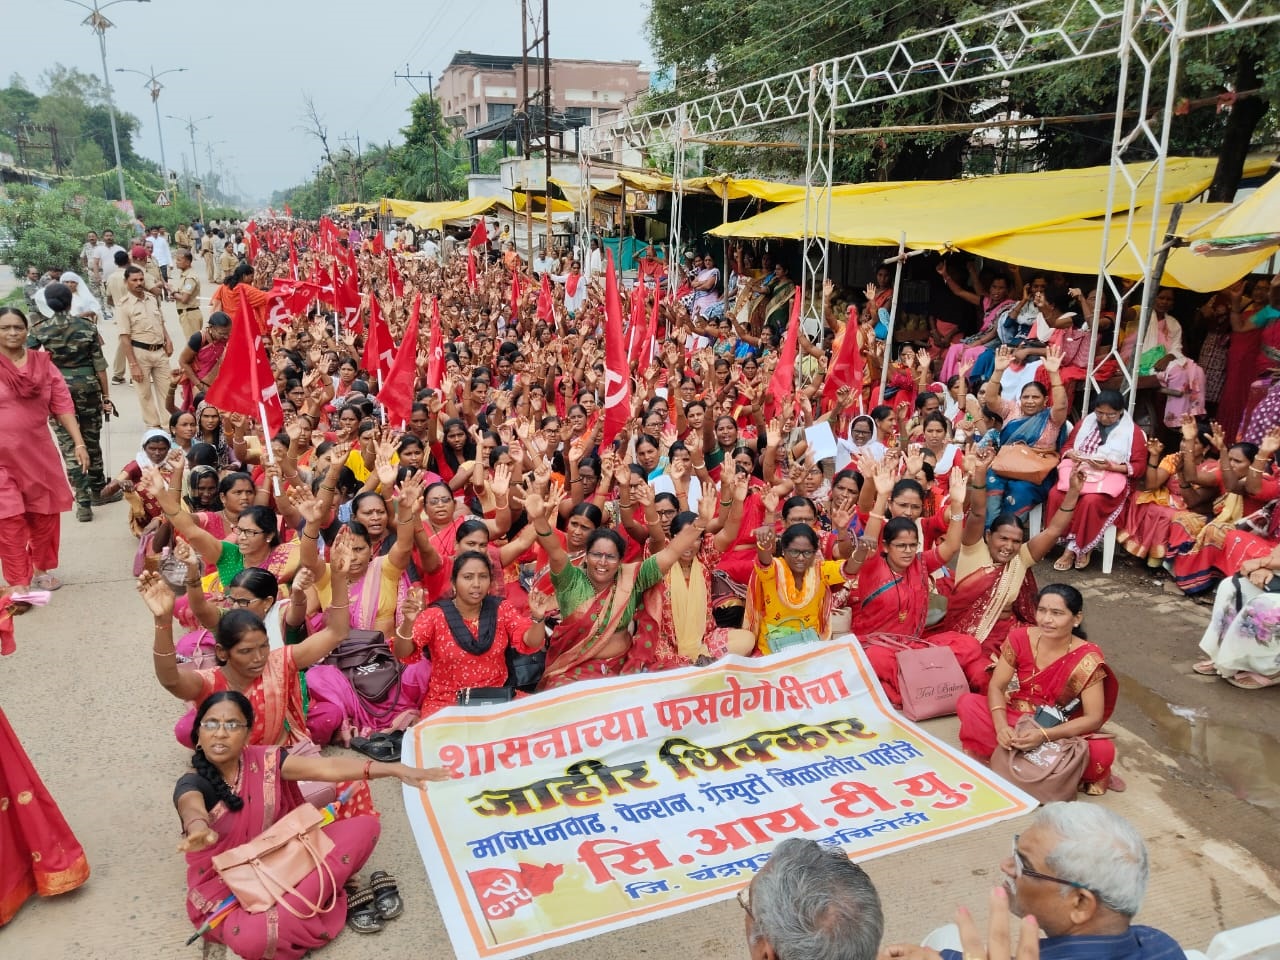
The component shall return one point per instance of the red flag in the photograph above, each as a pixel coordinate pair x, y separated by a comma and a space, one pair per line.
617, 374
245, 383
393, 277
515, 295
251, 245
288, 211
847, 369
293, 260
435, 355
546, 302
782, 384
637, 351
377, 355
479, 238
347, 302
379, 244
396, 395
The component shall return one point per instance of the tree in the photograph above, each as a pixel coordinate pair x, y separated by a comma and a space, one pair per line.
49, 226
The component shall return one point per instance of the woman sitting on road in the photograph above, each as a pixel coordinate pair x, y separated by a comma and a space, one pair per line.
143, 505
1049, 665
467, 637
238, 790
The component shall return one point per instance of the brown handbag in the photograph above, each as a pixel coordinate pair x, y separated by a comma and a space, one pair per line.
267, 870
1020, 461
1050, 771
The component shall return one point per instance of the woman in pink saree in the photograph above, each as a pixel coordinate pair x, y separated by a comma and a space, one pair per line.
237, 791
200, 359
1050, 665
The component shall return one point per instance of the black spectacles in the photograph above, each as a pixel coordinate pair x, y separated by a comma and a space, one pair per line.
744, 901
1020, 870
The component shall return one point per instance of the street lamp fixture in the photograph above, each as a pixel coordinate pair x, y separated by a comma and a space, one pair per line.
99, 24
155, 86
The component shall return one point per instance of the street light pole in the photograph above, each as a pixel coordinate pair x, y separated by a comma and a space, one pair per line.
190, 124
153, 81
99, 24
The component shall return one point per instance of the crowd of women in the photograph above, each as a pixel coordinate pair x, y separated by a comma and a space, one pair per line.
335, 582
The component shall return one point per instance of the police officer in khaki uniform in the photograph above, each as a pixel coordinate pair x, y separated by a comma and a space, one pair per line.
206, 254
183, 237
185, 287
115, 289
228, 262
146, 345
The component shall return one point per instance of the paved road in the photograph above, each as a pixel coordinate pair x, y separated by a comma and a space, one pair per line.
81, 694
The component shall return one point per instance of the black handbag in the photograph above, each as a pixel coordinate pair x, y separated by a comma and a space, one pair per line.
524, 670
368, 663
478, 696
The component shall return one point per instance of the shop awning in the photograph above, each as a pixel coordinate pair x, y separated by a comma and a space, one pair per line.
1075, 245
936, 215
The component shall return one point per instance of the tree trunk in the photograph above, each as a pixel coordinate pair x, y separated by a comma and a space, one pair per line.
1245, 116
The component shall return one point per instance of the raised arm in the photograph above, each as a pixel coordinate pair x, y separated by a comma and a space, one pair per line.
688, 538
208, 546
183, 684
541, 512
1053, 364
955, 526
338, 616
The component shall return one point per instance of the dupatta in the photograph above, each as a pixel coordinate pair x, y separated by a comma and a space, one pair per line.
584, 629
1060, 682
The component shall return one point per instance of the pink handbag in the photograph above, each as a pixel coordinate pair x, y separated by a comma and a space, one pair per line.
1107, 482
930, 679
266, 871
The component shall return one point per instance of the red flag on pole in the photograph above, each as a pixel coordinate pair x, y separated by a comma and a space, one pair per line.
479, 238
546, 302
435, 349
393, 277
847, 369
377, 355
397, 390
293, 261
515, 295
617, 374
245, 383
782, 384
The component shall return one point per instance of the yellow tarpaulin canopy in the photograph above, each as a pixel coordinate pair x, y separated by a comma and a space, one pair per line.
421, 218
1074, 247
557, 206
741, 189
387, 206
1257, 213
456, 210
936, 215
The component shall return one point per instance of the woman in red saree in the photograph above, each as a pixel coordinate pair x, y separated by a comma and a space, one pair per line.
1048, 665
995, 590
1172, 492
235, 793
891, 597
599, 600
41, 854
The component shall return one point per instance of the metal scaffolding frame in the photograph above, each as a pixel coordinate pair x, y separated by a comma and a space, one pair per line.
1021, 38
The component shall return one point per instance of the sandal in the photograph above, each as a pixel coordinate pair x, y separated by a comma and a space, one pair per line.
1083, 560
1065, 561
379, 747
46, 581
386, 896
362, 912
1247, 680
1097, 789
1205, 668
1116, 785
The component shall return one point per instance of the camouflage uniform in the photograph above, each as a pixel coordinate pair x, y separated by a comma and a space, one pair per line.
75, 347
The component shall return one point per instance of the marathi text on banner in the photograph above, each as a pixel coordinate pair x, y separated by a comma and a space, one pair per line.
609, 803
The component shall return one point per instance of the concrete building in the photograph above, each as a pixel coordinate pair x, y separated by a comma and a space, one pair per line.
482, 89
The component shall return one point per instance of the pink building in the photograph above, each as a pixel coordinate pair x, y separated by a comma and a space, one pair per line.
482, 89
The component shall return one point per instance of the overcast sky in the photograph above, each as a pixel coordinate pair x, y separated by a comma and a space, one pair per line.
249, 64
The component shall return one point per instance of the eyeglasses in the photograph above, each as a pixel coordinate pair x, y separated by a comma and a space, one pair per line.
439, 501
1021, 870
603, 557
905, 546
744, 901
240, 602
231, 726
800, 554
246, 532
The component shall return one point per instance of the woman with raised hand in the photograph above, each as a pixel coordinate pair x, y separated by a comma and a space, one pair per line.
236, 791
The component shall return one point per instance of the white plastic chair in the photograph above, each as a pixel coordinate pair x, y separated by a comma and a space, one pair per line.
1035, 521
1260, 940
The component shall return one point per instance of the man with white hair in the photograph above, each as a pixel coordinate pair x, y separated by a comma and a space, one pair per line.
811, 903
1081, 871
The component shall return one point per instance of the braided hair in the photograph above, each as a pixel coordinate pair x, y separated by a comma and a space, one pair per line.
202, 764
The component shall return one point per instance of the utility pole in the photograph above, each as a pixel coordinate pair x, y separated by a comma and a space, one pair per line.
155, 86
99, 25
190, 124
358, 171
537, 23
208, 152
435, 149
